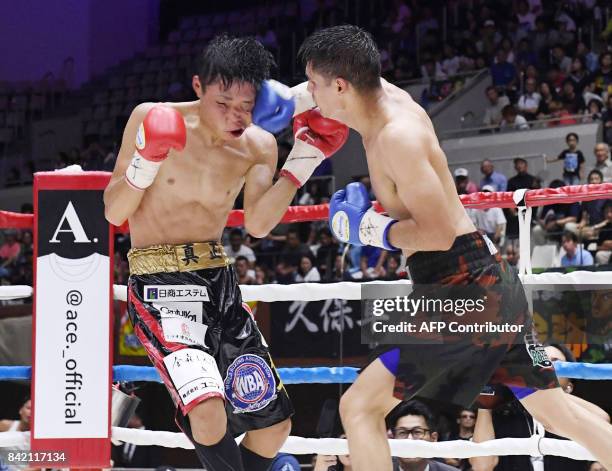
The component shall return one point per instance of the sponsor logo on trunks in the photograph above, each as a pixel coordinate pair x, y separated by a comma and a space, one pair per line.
175, 293
537, 353
188, 310
179, 330
249, 385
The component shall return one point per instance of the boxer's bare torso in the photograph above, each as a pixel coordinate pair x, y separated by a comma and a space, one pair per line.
403, 123
195, 189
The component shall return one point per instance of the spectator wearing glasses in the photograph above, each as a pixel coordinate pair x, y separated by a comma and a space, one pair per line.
466, 420
414, 420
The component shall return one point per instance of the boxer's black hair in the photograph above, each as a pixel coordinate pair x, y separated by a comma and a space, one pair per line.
230, 60
345, 51
412, 407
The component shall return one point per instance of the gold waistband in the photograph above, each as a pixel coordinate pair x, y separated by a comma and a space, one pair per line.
177, 258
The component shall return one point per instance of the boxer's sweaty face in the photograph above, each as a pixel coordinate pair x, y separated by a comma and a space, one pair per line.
227, 110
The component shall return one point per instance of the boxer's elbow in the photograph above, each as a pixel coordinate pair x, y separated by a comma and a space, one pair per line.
113, 217
255, 227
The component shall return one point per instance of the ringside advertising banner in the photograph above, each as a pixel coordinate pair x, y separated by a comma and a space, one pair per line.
71, 375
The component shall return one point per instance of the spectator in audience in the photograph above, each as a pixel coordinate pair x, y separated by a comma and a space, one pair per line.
593, 112
547, 95
9, 253
526, 59
393, 270
602, 77
451, 61
592, 218
575, 255
512, 120
490, 221
372, 262
602, 158
590, 58
503, 73
512, 254
236, 248
489, 38
572, 101
326, 253
242, 271
579, 74
555, 77
129, 455
508, 47
261, 275
466, 420
307, 272
331, 462
493, 114
554, 218
463, 183
606, 117
529, 102
559, 113
415, 421
497, 180
512, 420
291, 256
526, 18
604, 243
21, 425
572, 159
522, 179
559, 59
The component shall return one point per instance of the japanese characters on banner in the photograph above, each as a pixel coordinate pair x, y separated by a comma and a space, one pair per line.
312, 329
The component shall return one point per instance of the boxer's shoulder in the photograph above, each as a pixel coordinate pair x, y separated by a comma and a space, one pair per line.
260, 144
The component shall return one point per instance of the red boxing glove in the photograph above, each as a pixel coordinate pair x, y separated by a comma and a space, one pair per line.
316, 138
162, 129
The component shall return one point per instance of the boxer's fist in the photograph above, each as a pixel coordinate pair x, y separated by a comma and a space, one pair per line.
162, 129
316, 138
352, 218
276, 104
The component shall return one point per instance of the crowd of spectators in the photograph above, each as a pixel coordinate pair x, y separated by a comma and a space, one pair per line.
307, 252
582, 231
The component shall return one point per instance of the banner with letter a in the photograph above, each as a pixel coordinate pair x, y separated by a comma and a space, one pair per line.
71, 373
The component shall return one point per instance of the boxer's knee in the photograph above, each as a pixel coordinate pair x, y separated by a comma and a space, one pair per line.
353, 405
267, 441
208, 421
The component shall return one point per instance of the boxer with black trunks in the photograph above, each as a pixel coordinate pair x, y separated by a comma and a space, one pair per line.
426, 220
179, 170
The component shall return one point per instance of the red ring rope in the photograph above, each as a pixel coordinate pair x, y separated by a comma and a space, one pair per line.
319, 212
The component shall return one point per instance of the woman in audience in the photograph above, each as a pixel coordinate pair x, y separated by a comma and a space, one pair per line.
307, 272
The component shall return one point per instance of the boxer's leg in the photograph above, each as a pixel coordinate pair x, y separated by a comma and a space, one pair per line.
259, 447
363, 409
557, 412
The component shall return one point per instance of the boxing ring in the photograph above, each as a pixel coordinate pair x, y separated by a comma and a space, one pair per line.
523, 200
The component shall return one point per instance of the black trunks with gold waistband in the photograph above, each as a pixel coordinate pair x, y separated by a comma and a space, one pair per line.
186, 307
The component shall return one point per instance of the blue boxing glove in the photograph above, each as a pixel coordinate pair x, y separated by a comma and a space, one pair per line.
353, 219
276, 104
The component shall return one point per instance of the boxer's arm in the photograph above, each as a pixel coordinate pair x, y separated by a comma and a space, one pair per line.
264, 203
121, 199
483, 431
419, 189
593, 408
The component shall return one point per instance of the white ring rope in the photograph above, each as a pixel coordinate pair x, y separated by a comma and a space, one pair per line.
346, 289
533, 446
